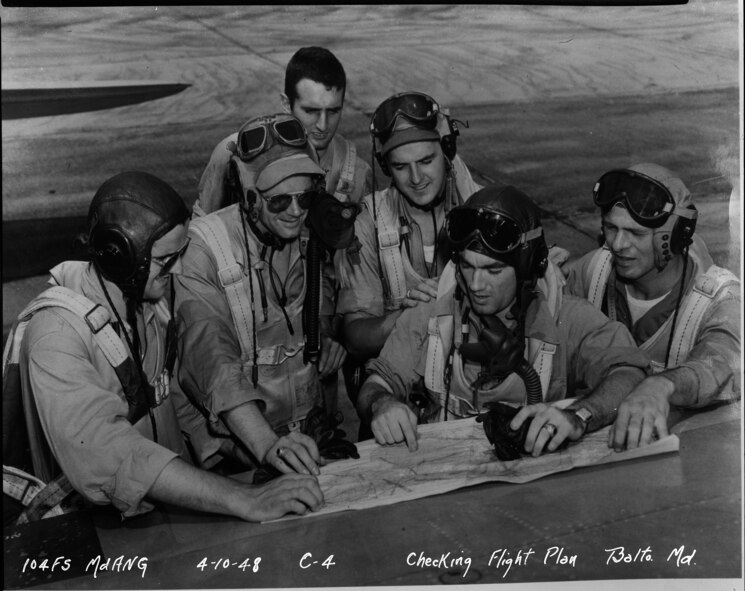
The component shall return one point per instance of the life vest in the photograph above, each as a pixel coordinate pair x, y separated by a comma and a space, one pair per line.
396, 267
695, 303
40, 499
288, 387
443, 340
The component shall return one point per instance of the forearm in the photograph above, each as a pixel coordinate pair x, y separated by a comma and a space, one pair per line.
185, 486
374, 391
365, 336
603, 402
248, 424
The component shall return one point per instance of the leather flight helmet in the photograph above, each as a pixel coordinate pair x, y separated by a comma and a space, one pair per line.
506, 219
129, 212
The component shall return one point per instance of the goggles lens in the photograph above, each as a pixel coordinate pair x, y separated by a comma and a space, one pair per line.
279, 203
416, 107
645, 198
497, 232
255, 140
167, 262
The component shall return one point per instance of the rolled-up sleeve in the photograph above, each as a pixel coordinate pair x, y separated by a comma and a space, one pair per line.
83, 416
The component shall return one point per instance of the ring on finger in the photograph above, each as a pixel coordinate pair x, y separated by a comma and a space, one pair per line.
280, 451
408, 293
550, 428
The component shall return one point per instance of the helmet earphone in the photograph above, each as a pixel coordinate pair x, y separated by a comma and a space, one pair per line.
115, 256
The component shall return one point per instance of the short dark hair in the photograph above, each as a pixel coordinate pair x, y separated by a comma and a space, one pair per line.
317, 64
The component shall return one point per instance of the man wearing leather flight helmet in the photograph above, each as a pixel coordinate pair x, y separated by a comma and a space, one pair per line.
656, 277
499, 330
95, 371
240, 302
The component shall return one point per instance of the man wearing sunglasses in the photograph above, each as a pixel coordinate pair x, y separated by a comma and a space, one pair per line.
656, 277
240, 301
95, 364
401, 247
315, 86
500, 329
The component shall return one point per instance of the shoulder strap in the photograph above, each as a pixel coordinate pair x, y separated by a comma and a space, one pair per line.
439, 335
463, 179
705, 288
345, 185
600, 268
95, 316
212, 230
391, 260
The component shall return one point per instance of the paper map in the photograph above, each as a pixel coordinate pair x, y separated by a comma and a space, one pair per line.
453, 455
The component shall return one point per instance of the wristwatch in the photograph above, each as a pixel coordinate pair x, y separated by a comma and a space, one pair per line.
584, 415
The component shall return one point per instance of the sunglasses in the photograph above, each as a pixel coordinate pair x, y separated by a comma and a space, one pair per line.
254, 140
167, 261
648, 201
279, 203
417, 107
498, 232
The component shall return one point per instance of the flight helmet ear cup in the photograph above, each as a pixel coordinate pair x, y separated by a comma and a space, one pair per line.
113, 253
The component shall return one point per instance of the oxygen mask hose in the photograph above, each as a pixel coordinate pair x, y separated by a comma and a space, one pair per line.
500, 352
331, 224
312, 304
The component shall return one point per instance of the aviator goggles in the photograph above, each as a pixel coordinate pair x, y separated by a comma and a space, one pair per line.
498, 232
257, 138
166, 262
279, 203
417, 107
647, 200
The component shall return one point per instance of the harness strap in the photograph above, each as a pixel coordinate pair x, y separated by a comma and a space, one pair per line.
345, 186
440, 330
705, 288
600, 265
212, 231
391, 259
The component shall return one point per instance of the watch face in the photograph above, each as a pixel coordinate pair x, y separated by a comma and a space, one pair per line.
583, 414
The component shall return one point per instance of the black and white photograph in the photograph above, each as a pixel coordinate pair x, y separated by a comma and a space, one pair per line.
301, 296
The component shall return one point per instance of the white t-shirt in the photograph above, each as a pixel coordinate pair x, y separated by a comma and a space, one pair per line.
638, 308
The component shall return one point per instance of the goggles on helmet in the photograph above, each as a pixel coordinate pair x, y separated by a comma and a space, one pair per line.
257, 138
417, 107
648, 201
279, 203
497, 231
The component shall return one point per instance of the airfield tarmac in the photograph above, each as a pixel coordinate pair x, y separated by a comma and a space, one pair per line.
553, 95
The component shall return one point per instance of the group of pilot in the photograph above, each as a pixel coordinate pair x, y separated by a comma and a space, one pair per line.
202, 341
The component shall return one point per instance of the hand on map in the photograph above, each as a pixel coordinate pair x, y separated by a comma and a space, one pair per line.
642, 416
423, 292
295, 453
290, 493
550, 427
394, 422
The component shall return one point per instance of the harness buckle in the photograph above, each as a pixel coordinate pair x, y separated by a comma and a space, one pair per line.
389, 239
230, 275
97, 318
